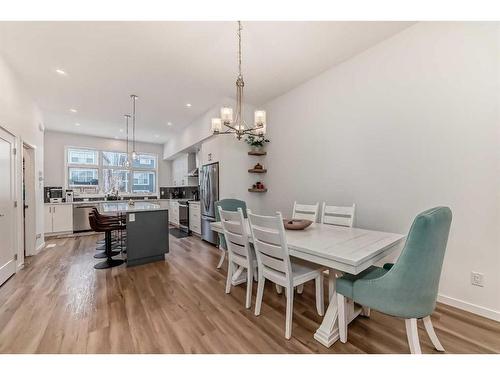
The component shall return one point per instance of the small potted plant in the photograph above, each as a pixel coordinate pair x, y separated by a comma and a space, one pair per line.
256, 142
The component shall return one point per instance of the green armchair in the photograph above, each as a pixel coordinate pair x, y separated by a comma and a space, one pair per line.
408, 289
227, 205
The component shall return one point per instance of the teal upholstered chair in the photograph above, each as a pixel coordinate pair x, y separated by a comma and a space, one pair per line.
407, 289
227, 205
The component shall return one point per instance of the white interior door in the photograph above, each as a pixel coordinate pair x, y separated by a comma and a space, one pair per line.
7, 251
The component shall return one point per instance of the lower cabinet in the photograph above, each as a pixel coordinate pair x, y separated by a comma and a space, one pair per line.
58, 218
195, 218
173, 213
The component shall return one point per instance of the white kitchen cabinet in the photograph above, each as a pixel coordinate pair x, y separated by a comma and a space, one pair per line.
173, 214
58, 218
48, 219
164, 204
195, 217
181, 166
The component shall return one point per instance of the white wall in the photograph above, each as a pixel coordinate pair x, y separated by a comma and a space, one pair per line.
232, 155
196, 132
409, 124
55, 142
234, 162
20, 116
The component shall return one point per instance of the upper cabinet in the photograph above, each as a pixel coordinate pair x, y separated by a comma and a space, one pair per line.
181, 167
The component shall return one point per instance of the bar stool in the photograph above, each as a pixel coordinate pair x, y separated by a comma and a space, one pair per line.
116, 240
106, 227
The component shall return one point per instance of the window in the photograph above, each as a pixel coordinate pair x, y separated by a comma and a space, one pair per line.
144, 182
145, 161
115, 180
82, 156
83, 177
114, 159
93, 171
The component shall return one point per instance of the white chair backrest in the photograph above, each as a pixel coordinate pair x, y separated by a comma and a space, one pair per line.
269, 241
235, 232
336, 215
305, 211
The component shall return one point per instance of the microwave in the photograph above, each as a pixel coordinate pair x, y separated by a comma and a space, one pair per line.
53, 194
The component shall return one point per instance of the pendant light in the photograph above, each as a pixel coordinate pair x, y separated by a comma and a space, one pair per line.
126, 164
134, 153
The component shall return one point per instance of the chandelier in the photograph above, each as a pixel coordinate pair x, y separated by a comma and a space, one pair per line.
238, 126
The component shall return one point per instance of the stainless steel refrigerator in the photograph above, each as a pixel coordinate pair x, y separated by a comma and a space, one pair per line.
209, 194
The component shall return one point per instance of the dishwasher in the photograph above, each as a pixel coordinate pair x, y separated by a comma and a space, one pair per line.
81, 217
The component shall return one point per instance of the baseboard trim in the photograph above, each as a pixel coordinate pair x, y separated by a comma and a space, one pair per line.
470, 307
39, 248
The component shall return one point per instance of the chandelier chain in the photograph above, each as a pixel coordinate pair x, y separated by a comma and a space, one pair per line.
239, 47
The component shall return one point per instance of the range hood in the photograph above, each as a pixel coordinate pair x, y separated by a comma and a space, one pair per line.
193, 173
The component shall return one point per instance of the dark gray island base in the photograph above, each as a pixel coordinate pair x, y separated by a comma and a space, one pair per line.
147, 230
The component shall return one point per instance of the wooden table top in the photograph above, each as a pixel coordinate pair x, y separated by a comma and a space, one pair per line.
345, 249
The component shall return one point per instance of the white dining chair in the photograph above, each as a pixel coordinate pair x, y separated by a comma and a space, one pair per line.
238, 249
305, 211
275, 265
338, 215
308, 212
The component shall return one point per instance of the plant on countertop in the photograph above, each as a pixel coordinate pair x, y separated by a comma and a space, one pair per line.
257, 141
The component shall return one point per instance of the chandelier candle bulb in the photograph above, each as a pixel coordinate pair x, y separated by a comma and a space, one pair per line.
226, 114
216, 125
260, 118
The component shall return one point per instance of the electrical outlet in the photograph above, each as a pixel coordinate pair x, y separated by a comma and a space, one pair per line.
477, 278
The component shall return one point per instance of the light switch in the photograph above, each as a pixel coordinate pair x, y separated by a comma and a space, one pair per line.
131, 217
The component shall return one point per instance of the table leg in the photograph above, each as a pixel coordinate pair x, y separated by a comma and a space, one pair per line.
328, 331
331, 284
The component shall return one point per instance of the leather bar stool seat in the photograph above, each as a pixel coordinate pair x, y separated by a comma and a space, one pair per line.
107, 228
116, 241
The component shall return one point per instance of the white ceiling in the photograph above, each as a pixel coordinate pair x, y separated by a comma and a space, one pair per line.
169, 64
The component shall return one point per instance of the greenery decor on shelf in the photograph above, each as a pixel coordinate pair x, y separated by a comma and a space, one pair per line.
256, 141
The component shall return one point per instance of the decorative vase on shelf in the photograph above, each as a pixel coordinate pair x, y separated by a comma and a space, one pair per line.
257, 149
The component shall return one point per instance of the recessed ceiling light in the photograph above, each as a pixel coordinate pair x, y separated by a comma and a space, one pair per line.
188, 105
116, 137
169, 123
77, 124
61, 72
121, 130
73, 110
157, 136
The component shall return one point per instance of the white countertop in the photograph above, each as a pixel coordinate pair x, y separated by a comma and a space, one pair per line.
124, 200
125, 206
104, 201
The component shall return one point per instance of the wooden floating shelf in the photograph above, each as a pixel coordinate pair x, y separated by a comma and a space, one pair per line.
257, 190
257, 153
256, 170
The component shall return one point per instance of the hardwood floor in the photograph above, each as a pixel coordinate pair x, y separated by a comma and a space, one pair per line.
60, 304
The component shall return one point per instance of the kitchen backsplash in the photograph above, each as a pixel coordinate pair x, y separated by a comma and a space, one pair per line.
181, 192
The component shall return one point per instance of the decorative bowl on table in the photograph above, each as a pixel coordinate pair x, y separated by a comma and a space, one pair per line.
296, 224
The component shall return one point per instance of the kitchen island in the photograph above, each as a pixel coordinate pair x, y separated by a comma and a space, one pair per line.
147, 229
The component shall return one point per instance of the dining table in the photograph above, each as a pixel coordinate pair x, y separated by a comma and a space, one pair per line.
340, 250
